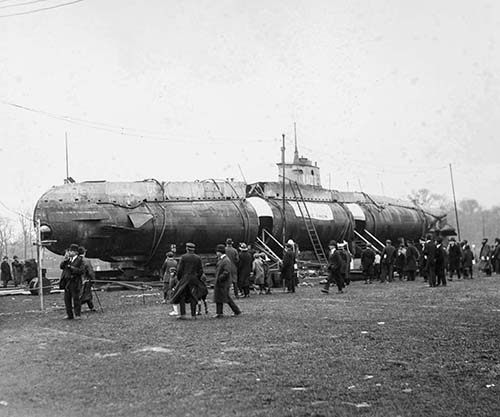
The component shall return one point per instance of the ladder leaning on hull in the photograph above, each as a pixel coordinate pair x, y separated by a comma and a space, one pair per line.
311, 229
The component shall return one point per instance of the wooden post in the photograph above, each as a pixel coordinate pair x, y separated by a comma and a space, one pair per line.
39, 254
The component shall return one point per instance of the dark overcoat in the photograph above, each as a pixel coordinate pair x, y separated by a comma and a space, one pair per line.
388, 255
287, 268
367, 258
233, 256
412, 256
484, 257
72, 273
222, 280
244, 269
189, 273
6, 275
454, 256
430, 254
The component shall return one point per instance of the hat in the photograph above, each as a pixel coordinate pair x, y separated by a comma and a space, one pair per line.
288, 246
73, 248
388, 241
243, 246
170, 254
220, 248
452, 239
332, 243
485, 239
190, 245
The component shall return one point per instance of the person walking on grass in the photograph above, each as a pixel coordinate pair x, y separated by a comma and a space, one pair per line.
336, 265
223, 284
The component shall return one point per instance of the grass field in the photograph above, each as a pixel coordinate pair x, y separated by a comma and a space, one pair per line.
399, 349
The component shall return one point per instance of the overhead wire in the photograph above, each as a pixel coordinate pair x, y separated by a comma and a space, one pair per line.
41, 9
22, 4
16, 212
126, 131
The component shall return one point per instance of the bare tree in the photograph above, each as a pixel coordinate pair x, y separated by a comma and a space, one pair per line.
428, 200
6, 235
27, 233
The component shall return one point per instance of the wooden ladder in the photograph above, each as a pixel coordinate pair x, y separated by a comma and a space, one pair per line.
311, 229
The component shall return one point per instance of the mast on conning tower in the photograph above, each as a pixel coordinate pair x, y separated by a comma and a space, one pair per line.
301, 170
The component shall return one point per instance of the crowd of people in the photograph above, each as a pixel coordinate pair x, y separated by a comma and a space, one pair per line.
240, 271
432, 258
237, 272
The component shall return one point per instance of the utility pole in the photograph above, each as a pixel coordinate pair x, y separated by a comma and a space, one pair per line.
455, 203
67, 161
284, 183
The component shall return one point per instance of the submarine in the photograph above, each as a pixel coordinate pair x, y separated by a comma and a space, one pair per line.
133, 224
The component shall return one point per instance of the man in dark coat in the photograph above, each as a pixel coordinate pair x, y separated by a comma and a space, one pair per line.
367, 261
5, 275
412, 258
484, 257
222, 284
495, 258
71, 281
17, 271
440, 263
233, 256
429, 253
287, 267
189, 274
336, 265
387, 262
454, 258
468, 261
244, 270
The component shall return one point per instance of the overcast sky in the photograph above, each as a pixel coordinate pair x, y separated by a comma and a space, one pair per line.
385, 93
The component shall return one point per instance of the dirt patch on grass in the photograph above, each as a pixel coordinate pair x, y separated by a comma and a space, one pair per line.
399, 349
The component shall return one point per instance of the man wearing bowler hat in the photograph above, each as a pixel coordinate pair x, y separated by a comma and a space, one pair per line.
71, 282
189, 273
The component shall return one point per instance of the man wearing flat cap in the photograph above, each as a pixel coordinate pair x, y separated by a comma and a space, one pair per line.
71, 282
222, 284
189, 273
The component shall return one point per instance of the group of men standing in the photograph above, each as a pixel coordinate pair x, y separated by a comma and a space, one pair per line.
14, 271
431, 258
